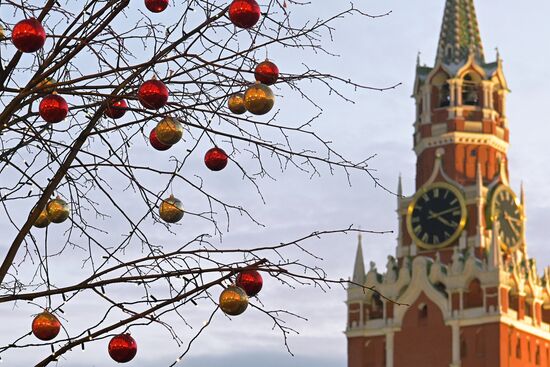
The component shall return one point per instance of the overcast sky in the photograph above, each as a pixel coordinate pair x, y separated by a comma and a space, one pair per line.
377, 52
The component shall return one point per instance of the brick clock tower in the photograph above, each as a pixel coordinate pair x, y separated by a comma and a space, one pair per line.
468, 294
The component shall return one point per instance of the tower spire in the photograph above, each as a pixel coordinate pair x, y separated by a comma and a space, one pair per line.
460, 35
359, 267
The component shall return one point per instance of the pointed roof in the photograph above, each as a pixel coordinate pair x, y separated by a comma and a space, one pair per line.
359, 267
460, 35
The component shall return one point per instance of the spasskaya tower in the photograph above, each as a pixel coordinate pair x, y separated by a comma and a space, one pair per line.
469, 294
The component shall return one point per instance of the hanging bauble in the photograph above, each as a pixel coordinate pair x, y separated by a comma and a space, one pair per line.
43, 220
2, 34
215, 159
233, 300
58, 210
155, 142
156, 6
153, 94
28, 35
122, 348
236, 104
267, 72
259, 99
53, 108
244, 13
169, 130
116, 109
45, 326
171, 210
250, 281
47, 85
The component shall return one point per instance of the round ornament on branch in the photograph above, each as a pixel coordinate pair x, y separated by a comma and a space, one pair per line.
244, 13
156, 6
53, 108
169, 131
43, 220
259, 99
45, 326
153, 94
215, 159
116, 109
266, 72
122, 348
155, 142
58, 210
28, 35
47, 85
250, 281
233, 300
236, 103
171, 210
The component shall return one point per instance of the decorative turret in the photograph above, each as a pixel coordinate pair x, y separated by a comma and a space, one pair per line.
359, 267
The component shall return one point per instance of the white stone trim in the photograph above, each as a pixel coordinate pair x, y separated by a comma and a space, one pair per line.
459, 137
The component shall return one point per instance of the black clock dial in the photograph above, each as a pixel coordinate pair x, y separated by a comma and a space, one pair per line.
507, 211
436, 216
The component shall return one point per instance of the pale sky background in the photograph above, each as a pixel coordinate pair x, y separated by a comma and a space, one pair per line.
376, 52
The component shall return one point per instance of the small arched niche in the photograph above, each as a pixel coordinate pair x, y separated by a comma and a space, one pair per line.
441, 89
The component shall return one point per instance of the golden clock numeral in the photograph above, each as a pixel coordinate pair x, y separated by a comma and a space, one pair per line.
454, 201
426, 197
436, 193
457, 212
436, 240
446, 194
417, 229
425, 238
415, 220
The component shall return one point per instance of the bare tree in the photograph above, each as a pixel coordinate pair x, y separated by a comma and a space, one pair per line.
98, 53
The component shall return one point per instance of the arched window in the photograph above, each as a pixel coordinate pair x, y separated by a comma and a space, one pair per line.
445, 95
513, 301
463, 347
423, 314
470, 91
518, 348
376, 307
474, 295
537, 356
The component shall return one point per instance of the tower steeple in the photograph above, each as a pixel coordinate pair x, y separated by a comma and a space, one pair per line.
359, 267
460, 35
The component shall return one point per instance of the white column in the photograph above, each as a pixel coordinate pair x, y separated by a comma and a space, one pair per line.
389, 348
456, 344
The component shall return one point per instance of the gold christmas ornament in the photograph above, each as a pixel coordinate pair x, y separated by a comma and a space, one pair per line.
47, 85
58, 210
171, 210
236, 104
169, 130
259, 99
42, 221
2, 34
233, 301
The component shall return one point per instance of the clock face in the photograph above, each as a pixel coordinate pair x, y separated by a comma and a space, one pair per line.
436, 216
506, 210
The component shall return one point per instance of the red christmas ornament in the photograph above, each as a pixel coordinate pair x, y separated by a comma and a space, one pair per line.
116, 109
122, 348
251, 281
53, 108
244, 13
28, 35
153, 94
215, 159
155, 142
267, 72
45, 326
156, 6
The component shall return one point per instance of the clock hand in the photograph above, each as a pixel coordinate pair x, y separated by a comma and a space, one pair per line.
435, 215
511, 226
444, 221
512, 218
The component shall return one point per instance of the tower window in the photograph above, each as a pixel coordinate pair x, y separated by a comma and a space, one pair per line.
445, 95
518, 348
422, 314
470, 95
463, 347
537, 356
